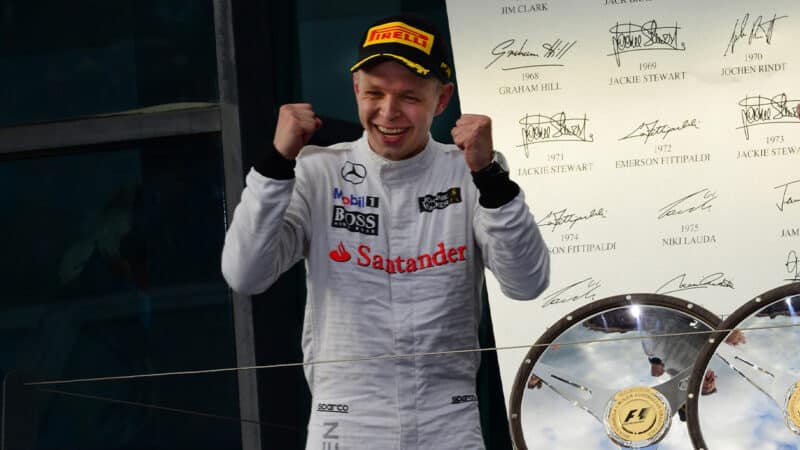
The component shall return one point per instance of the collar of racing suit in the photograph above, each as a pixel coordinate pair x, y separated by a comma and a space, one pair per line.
398, 171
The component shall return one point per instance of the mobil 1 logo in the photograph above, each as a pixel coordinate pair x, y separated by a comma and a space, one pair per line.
355, 221
356, 201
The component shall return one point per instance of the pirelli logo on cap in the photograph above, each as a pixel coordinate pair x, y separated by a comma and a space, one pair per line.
398, 32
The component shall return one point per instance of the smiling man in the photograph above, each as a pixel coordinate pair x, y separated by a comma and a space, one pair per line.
396, 230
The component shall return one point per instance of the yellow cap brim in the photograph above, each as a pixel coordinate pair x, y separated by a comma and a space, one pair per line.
421, 71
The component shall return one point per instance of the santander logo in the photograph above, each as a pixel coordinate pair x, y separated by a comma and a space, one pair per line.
340, 254
440, 256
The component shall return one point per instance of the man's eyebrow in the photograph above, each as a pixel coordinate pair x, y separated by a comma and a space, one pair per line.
405, 92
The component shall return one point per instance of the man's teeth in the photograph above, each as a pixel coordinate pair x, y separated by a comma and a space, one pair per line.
391, 130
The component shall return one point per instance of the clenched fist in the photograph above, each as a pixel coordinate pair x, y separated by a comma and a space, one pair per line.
473, 135
296, 124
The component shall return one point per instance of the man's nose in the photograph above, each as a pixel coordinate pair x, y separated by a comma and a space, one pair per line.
390, 107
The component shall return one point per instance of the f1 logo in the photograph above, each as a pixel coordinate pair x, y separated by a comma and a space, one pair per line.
632, 414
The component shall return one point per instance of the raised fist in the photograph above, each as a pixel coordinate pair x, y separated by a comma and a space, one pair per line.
473, 135
296, 124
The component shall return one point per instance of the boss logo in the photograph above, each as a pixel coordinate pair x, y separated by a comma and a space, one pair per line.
440, 200
464, 399
355, 222
334, 408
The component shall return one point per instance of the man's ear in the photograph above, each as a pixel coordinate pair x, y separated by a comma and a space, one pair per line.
355, 82
445, 94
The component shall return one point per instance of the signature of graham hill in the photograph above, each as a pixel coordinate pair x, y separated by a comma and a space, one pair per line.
793, 266
696, 201
561, 217
551, 54
679, 283
786, 195
758, 30
651, 129
580, 290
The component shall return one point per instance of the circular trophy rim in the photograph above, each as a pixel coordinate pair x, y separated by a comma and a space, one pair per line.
707, 352
553, 331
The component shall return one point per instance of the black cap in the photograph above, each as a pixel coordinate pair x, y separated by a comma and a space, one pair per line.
410, 40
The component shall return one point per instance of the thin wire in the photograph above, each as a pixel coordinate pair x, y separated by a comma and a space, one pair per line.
384, 357
165, 408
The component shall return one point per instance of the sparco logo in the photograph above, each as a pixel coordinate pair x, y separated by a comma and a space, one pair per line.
354, 173
334, 408
440, 200
355, 221
464, 399
359, 201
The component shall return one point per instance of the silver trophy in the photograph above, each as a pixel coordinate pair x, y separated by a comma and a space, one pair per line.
752, 366
613, 374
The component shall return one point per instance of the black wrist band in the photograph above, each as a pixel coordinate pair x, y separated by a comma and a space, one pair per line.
495, 187
273, 165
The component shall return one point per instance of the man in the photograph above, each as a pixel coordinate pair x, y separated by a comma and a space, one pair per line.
396, 230
668, 349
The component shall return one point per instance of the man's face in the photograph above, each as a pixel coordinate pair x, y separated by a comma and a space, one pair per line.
396, 108
656, 370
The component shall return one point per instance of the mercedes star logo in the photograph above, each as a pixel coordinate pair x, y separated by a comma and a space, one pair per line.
354, 173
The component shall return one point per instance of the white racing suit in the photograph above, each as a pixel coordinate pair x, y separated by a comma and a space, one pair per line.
666, 340
395, 252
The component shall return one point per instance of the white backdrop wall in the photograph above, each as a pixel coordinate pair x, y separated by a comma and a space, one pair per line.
656, 141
